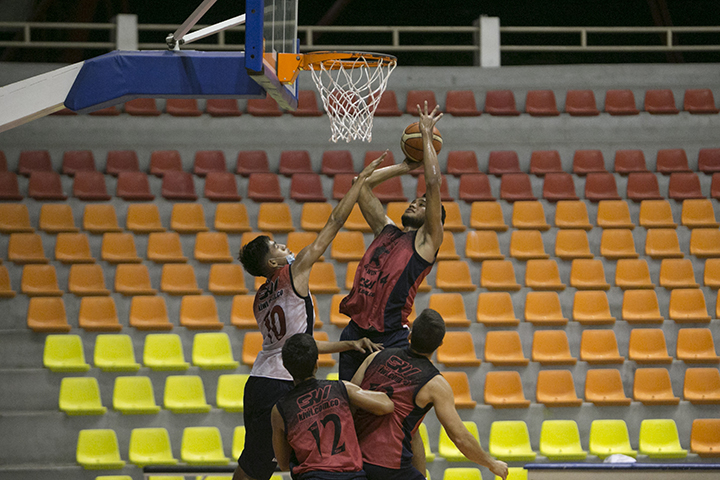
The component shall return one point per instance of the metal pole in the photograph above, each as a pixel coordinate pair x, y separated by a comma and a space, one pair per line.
174, 38
212, 29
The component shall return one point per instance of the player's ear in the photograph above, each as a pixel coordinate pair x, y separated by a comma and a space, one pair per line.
272, 262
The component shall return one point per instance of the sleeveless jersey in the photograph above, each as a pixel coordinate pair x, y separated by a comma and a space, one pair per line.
280, 313
386, 441
386, 281
319, 427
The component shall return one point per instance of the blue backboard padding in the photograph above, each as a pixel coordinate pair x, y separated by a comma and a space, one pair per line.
254, 24
121, 76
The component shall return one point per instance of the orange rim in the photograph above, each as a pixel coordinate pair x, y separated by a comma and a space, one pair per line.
334, 60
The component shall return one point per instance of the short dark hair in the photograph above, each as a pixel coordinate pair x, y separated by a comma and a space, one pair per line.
428, 331
300, 355
442, 210
252, 256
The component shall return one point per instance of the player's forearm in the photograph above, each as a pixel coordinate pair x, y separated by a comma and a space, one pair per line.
469, 446
386, 173
418, 447
342, 210
334, 347
431, 165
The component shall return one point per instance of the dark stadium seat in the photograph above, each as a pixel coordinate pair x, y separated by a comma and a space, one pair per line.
444, 192
252, 161
264, 187
207, 161
341, 184
77, 160
306, 187
388, 106
643, 186
34, 160
601, 186
559, 186
90, 186
178, 186
541, 103
390, 191
709, 160
295, 161
660, 102
111, 111
307, 105
501, 103
475, 187
182, 107
222, 107
221, 187
64, 112
461, 103
162, 161
337, 161
629, 161
45, 186
419, 97
502, 162
672, 160
134, 186
121, 161
581, 103
543, 162
684, 186
3, 162
460, 162
699, 100
371, 155
263, 107
620, 102
142, 107
588, 161
9, 189
516, 186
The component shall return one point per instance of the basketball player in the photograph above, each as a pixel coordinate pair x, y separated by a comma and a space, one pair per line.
390, 272
313, 428
283, 307
408, 377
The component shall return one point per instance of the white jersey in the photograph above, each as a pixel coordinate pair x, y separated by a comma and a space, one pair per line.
280, 313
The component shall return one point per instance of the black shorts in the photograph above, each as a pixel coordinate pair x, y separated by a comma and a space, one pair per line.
261, 395
375, 472
351, 360
331, 476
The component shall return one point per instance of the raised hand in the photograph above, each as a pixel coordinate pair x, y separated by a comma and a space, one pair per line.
500, 469
367, 171
364, 345
428, 120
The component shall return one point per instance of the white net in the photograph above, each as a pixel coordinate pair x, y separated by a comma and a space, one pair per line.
351, 92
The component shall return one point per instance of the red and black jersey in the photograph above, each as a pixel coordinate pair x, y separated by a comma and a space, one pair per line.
386, 441
386, 281
319, 427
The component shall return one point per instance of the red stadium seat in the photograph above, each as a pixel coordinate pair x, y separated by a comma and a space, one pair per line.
502, 162
460, 162
660, 102
264, 187
178, 186
444, 192
90, 186
709, 160
252, 161
306, 187
307, 105
629, 161
3, 162
588, 161
620, 102
672, 160
295, 161
121, 161
182, 107
581, 103
461, 103
134, 186
643, 186
337, 161
77, 160
34, 160
222, 107
9, 189
221, 187
106, 112
541, 103
545, 161
601, 186
341, 184
699, 100
419, 97
263, 107
207, 161
715, 186
390, 191
475, 187
559, 186
388, 106
142, 107
501, 103
371, 155
684, 186
162, 161
45, 186
515, 187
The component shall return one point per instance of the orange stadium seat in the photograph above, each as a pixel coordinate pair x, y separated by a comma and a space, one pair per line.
447, 249
527, 244
100, 219
199, 312
529, 215
687, 305
461, 389
581, 103
143, 107
572, 214
704, 242
541, 103
702, 386
501, 162
461, 103
709, 160
647, 345
178, 186
481, 245
133, 279
601, 186
559, 186
252, 161
179, 279
73, 248
98, 314
543, 308
551, 347
501, 103
452, 308
134, 186
543, 162
591, 307
165, 247
306, 187
656, 214
705, 437
34, 161
614, 214
475, 187
307, 105
699, 100
504, 348
487, 216
618, 243
263, 107
296, 241
47, 314
662, 243
74, 161
55, 218
543, 275
26, 248
323, 279
498, 275
324, 359
231, 218
588, 161
419, 97
242, 315
6, 290
555, 388
15, 218
711, 277
314, 216
643, 186
121, 161
336, 318
163, 161
695, 345
629, 161
348, 246
620, 102
45, 186
252, 344
599, 347
454, 276
275, 217
222, 107
652, 387
496, 309
698, 214
677, 273
572, 244
458, 350
660, 102
632, 273
604, 387
119, 248
672, 160
221, 187
40, 281
143, 218
641, 306
503, 389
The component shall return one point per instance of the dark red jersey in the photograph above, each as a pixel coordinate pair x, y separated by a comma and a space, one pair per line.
386, 441
319, 427
386, 282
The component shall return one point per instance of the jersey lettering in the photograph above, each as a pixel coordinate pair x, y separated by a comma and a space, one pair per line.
401, 366
315, 430
274, 323
318, 395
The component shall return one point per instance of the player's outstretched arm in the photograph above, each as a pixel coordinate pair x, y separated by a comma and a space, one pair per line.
363, 345
280, 444
430, 235
377, 403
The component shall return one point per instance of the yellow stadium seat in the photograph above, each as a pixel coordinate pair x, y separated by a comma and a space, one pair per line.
143, 218
230, 392
632, 273
705, 437
64, 353
188, 218
487, 216
98, 449
461, 389
695, 345
150, 446
641, 306
202, 446
543, 308
591, 307
551, 347
482, 245
560, 440
448, 450
252, 345
149, 313
100, 219
604, 387
199, 312
40, 280
510, 441
610, 437
496, 309
15, 218
185, 394
687, 305
705, 242
179, 279
586, 274
133, 279
503, 389
529, 215
462, 473
652, 386
555, 388
504, 348
98, 314
698, 213
115, 353
275, 218
232, 218
87, 279
614, 214
458, 350
80, 396
164, 351
572, 214
617, 243
572, 244
55, 218
498, 275
543, 275
527, 244
348, 246
647, 345
134, 395
452, 308
429, 455
323, 279
659, 439
702, 386
239, 443
119, 248
26, 248
656, 214
515, 473
165, 247
453, 276
663, 243
212, 351
73, 248
314, 216
599, 347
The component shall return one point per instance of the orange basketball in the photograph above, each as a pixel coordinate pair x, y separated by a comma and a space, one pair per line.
412, 144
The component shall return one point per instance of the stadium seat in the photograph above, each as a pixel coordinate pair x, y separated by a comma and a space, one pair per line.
231, 218
659, 439
226, 279
447, 249
632, 274
662, 243
199, 312
341, 184
500, 103
503, 389
115, 353
47, 314
80, 396
64, 353
527, 244
356, 221
503, 348
252, 345
121, 161
695, 345
461, 162
307, 105
543, 162
684, 186
698, 214
709, 160
498, 275
150, 446
295, 161
704, 242
221, 187
481, 245
705, 437
629, 161
25, 248
323, 279
610, 437
133, 279
134, 186
212, 247
264, 187
543, 309
165, 247
185, 394
40, 281
207, 161
618, 243
388, 105
687, 305
529, 215
588, 161
252, 161
543, 275
34, 161
614, 214
677, 273
417, 98
222, 107
652, 387
263, 107
660, 102
336, 318
699, 100
711, 278
314, 216
3, 162
203, 446
448, 450
461, 389
56, 218
555, 388
178, 186
656, 214
541, 103
182, 107
452, 308
702, 386
188, 218
164, 351
238, 445
444, 191
620, 102
98, 314
560, 441
501, 162
475, 187
149, 313
510, 442
163, 161
572, 244
230, 392
643, 186
242, 315
98, 449
74, 161
296, 241
672, 160
90, 186
306, 187
9, 188
212, 351
599, 347
100, 219
275, 218
144, 107
119, 248
453, 276
559, 186
496, 309
572, 214
487, 216
45, 186
647, 345
641, 306
337, 161
551, 347
460, 103
6, 290
600, 186
581, 103
591, 307
388, 191
458, 350
73, 248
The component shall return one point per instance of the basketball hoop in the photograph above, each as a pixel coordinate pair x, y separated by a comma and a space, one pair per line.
350, 85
